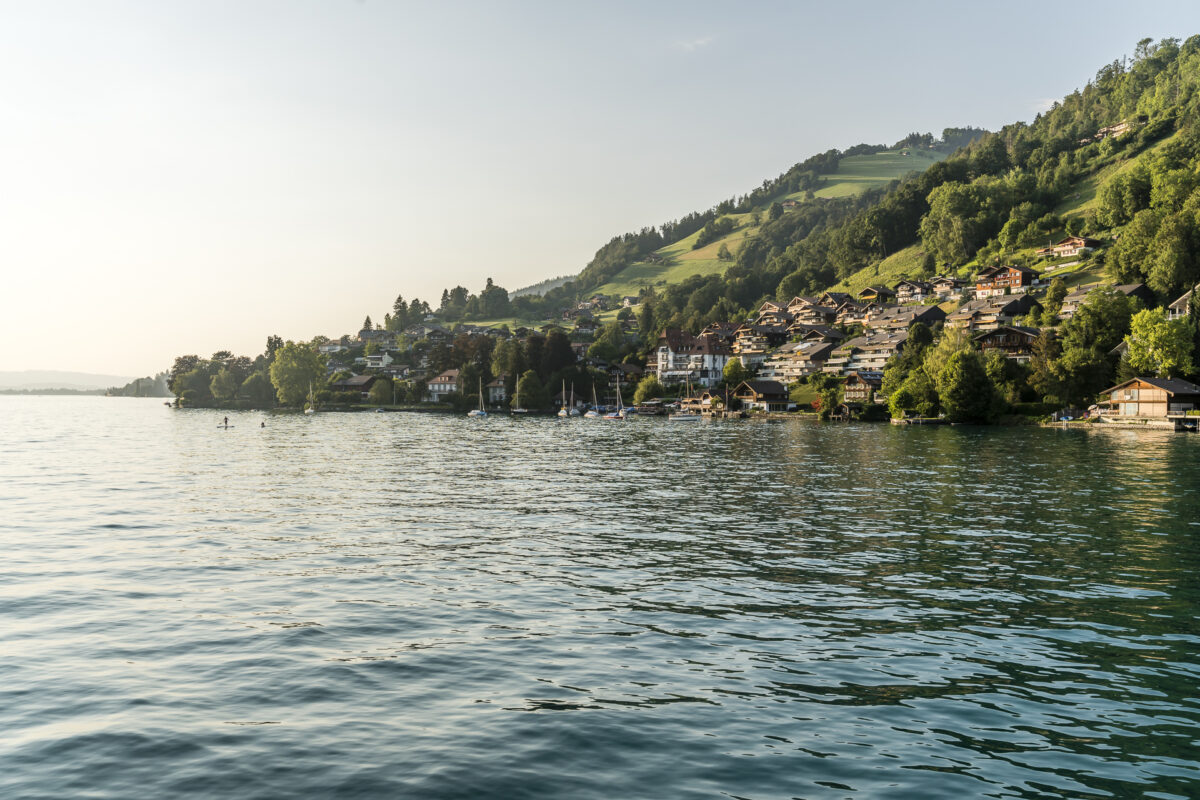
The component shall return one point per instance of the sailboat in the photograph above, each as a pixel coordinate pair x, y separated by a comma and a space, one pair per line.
562, 412
572, 410
478, 412
311, 408
620, 412
685, 416
516, 409
592, 413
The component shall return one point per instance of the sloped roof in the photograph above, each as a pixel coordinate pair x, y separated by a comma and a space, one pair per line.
1170, 385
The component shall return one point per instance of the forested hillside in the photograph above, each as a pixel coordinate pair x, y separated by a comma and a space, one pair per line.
993, 199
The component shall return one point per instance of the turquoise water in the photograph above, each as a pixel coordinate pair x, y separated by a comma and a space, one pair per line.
404, 605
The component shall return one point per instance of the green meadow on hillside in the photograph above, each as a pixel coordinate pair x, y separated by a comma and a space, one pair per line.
903, 264
855, 174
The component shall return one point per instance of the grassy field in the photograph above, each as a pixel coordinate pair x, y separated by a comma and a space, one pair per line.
681, 261
896, 267
855, 174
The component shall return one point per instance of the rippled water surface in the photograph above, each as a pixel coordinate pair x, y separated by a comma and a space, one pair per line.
406, 605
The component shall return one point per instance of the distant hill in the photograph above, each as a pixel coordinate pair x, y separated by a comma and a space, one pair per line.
54, 379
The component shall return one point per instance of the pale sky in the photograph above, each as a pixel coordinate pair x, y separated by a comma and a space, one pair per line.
184, 177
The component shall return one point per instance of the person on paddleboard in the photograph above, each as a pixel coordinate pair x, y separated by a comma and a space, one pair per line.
227, 422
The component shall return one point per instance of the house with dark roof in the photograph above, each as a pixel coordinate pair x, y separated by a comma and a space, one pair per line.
876, 294
860, 386
762, 395
944, 287
681, 357
913, 291
991, 312
751, 343
1014, 341
794, 360
1152, 398
355, 383
902, 317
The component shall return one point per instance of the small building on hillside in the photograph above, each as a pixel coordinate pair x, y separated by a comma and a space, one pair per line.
1068, 247
1181, 307
1015, 341
944, 287
816, 315
876, 294
913, 291
990, 313
1077, 298
762, 395
1152, 398
1074, 300
903, 317
377, 360
752, 342
1008, 279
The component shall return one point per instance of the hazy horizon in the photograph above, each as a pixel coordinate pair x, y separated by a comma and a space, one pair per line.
186, 177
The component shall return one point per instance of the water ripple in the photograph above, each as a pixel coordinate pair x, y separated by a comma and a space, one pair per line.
383, 605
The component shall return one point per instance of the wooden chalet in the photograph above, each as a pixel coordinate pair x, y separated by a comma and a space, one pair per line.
1077, 298
1004, 280
1152, 398
876, 294
852, 313
762, 395
798, 304
721, 331
834, 299
815, 333
860, 386
817, 315
1016, 342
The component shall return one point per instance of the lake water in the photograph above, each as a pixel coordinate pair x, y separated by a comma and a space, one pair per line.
411, 605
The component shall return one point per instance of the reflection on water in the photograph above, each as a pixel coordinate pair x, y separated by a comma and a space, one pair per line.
417, 605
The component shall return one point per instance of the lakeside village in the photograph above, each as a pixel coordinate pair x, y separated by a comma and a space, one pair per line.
1009, 346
